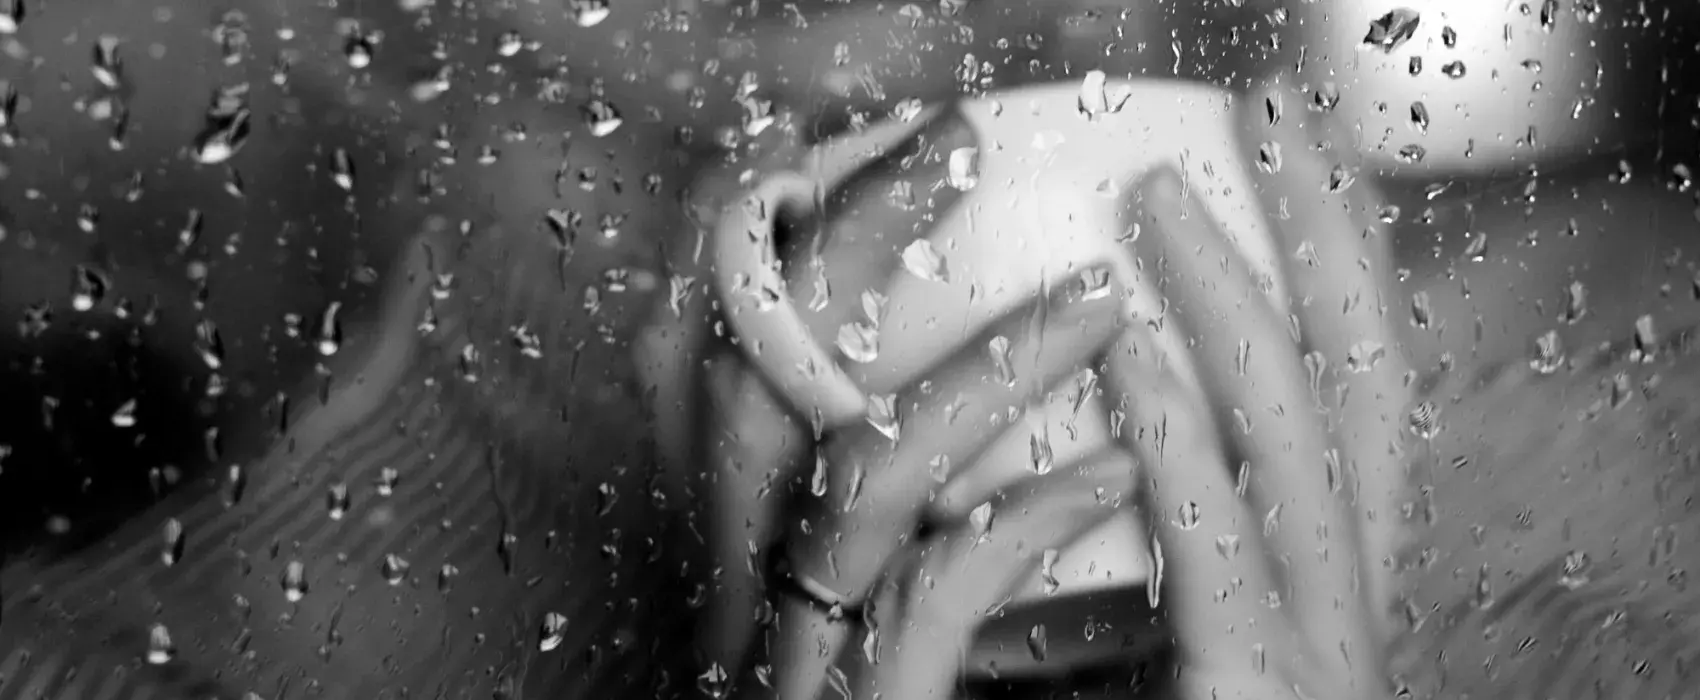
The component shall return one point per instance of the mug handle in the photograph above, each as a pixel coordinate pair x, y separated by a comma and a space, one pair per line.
771, 332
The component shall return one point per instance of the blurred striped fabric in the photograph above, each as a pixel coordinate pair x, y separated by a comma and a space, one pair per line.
1555, 525
508, 503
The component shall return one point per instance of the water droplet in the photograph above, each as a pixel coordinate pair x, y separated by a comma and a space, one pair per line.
235, 485
190, 233
227, 126
907, 110
1003, 364
507, 546
980, 519
529, 344
1549, 14
1625, 173
337, 500
88, 288
1041, 457
1269, 157
1363, 355
588, 13
859, 342
925, 262
329, 338
964, 168
1549, 353
884, 417
1340, 179
939, 468
606, 496
1424, 420
231, 33
1037, 643
1455, 69
1422, 310
757, 115
1227, 546
1576, 568
1325, 98
1483, 597
1188, 515
714, 682
552, 632
818, 482
174, 542
125, 416
294, 581
11, 16
1098, 98
342, 169
509, 43
873, 306
1154, 588
161, 650
1390, 31
358, 48
1646, 339
8, 100
602, 117
108, 67
1575, 302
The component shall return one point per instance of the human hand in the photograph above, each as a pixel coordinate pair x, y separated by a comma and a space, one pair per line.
1220, 580
755, 441
1334, 597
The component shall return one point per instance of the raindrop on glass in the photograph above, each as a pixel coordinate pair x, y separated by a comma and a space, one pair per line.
394, 569
552, 632
922, 260
294, 581
1391, 30
161, 650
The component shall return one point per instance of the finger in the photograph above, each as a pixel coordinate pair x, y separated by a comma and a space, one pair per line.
878, 487
972, 570
668, 354
749, 279
856, 252
970, 270
1341, 269
1066, 428
753, 445
1252, 365
1214, 593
